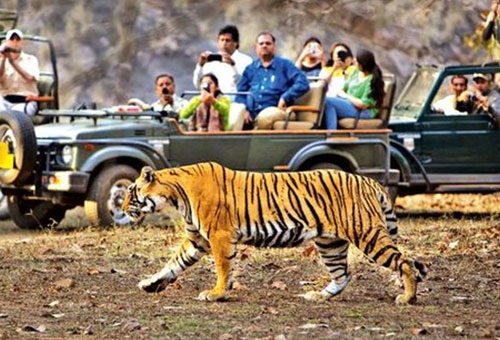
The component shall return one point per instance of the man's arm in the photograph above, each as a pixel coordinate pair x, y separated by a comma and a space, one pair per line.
31, 71
300, 84
243, 86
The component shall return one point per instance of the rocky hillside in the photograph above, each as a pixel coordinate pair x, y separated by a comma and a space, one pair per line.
111, 50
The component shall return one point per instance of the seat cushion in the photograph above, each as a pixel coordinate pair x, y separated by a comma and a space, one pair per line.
293, 125
348, 123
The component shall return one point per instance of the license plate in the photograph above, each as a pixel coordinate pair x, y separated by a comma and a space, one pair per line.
6, 158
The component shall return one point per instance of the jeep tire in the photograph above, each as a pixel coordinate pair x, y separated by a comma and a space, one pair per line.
34, 214
106, 194
4, 209
17, 130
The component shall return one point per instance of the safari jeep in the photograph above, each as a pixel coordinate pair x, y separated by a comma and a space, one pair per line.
435, 152
48, 82
90, 157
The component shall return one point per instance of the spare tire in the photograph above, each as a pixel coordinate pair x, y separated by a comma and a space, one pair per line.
16, 130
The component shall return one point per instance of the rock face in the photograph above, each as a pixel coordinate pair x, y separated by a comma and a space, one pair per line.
109, 51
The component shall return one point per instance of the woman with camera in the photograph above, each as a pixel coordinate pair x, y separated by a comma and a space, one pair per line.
338, 68
209, 110
312, 58
362, 95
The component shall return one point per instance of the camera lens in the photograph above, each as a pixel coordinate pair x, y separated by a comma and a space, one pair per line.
165, 91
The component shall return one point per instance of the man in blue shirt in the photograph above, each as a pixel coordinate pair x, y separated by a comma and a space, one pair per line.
274, 82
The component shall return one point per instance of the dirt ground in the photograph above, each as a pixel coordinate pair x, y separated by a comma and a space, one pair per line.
80, 282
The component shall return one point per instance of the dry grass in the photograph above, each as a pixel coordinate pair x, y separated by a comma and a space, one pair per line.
460, 298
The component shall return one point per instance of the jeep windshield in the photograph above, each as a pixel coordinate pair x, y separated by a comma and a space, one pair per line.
414, 94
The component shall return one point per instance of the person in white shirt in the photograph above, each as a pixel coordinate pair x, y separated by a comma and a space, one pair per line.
19, 73
459, 102
227, 65
167, 99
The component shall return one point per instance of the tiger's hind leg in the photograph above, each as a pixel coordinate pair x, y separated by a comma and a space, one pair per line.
334, 252
378, 246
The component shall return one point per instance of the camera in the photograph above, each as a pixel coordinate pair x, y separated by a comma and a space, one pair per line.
343, 55
7, 49
472, 97
165, 91
314, 49
214, 57
205, 87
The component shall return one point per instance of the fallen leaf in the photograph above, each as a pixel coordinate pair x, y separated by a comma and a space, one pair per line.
313, 326
172, 308
453, 244
64, 283
459, 330
92, 271
239, 286
279, 285
53, 315
291, 269
310, 250
88, 330
245, 252
418, 331
271, 310
306, 283
53, 303
76, 248
177, 285
39, 329
131, 326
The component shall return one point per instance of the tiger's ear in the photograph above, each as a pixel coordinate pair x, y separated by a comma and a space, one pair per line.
148, 174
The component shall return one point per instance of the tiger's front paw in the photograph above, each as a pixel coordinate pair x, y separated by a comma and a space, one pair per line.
211, 295
319, 297
405, 300
153, 286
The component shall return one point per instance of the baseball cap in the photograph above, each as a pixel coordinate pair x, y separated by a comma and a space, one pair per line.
486, 77
13, 32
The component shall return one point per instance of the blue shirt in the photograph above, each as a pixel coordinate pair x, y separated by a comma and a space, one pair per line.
281, 79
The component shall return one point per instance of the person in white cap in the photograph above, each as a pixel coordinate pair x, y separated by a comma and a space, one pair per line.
19, 73
487, 100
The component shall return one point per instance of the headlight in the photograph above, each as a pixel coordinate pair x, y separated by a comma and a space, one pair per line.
67, 154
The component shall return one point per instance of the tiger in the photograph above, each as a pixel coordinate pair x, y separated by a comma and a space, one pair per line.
223, 208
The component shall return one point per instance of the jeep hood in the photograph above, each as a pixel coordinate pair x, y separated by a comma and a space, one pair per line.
105, 128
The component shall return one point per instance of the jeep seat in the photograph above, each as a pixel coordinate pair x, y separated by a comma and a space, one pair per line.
385, 111
307, 111
46, 89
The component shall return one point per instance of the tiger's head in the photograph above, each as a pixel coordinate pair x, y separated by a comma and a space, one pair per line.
146, 195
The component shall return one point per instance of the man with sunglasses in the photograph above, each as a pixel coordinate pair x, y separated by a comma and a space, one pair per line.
19, 73
458, 103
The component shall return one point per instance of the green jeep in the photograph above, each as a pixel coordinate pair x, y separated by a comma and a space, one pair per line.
435, 152
91, 156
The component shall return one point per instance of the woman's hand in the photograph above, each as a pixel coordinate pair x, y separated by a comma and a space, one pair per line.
207, 97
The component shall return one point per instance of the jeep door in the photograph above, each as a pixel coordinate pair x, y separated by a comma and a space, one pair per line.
459, 144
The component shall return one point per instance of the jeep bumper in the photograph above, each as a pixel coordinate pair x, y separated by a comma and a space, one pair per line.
66, 181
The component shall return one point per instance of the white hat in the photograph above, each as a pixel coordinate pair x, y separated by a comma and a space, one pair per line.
13, 32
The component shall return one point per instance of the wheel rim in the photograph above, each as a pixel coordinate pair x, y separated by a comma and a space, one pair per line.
116, 196
7, 136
